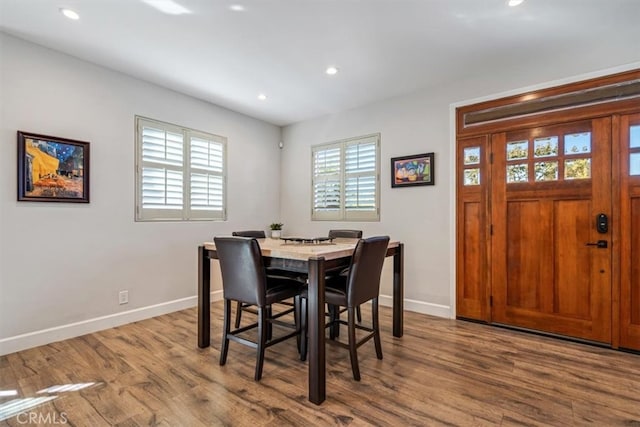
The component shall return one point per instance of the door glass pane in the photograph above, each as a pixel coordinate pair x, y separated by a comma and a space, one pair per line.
577, 143
472, 176
517, 150
546, 171
634, 136
577, 169
634, 164
472, 155
518, 173
545, 147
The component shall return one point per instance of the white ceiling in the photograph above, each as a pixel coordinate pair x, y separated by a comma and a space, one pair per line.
383, 48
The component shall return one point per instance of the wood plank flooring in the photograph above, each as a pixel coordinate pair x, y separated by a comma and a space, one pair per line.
442, 372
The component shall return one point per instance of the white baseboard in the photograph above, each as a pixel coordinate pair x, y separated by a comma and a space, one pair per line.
59, 333
419, 307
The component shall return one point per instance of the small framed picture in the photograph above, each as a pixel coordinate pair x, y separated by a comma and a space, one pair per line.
409, 171
52, 169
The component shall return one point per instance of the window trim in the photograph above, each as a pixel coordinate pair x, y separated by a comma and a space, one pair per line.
342, 214
186, 213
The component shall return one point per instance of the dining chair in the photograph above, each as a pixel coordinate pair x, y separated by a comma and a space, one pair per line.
245, 280
241, 307
351, 234
361, 284
256, 234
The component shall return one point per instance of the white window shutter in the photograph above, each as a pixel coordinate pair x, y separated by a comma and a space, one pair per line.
161, 188
361, 171
161, 184
327, 191
346, 180
181, 173
207, 179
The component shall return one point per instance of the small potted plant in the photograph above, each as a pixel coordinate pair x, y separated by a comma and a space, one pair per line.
276, 230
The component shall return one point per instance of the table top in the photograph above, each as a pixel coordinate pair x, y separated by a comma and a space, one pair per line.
277, 248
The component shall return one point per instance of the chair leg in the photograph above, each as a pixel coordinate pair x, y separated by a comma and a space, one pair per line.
376, 328
238, 314
262, 340
226, 328
268, 325
296, 318
331, 309
239, 307
359, 314
351, 324
334, 317
303, 329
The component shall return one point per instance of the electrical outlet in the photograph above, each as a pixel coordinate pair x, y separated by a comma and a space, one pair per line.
123, 297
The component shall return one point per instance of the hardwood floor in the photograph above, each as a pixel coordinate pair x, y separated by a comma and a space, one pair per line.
442, 372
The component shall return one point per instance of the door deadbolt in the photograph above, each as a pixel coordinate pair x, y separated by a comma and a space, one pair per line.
602, 223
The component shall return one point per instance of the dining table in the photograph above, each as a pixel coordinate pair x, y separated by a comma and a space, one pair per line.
312, 257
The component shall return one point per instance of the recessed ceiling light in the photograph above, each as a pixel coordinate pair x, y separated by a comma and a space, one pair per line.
71, 14
237, 8
331, 71
262, 97
514, 3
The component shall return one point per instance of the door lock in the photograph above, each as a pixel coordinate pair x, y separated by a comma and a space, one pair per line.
599, 244
602, 223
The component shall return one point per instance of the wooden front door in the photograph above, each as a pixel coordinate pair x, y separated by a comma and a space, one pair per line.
551, 265
630, 231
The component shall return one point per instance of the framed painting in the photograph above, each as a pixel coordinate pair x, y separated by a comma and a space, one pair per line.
52, 169
409, 171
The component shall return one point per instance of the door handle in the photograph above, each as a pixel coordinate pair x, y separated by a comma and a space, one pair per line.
599, 244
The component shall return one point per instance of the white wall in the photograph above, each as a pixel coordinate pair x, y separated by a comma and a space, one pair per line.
422, 217
63, 263
417, 216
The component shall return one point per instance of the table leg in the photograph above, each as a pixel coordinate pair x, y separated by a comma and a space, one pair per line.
204, 298
315, 324
398, 291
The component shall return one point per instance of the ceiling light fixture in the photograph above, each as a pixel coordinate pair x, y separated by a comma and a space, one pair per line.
237, 8
71, 14
331, 71
514, 3
169, 7
262, 97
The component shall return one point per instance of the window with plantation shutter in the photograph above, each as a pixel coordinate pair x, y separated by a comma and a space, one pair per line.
180, 173
326, 186
346, 180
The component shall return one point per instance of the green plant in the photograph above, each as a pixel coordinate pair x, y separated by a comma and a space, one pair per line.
276, 226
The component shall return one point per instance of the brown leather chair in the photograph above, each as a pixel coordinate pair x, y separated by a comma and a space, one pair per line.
256, 234
351, 234
240, 307
244, 279
361, 284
